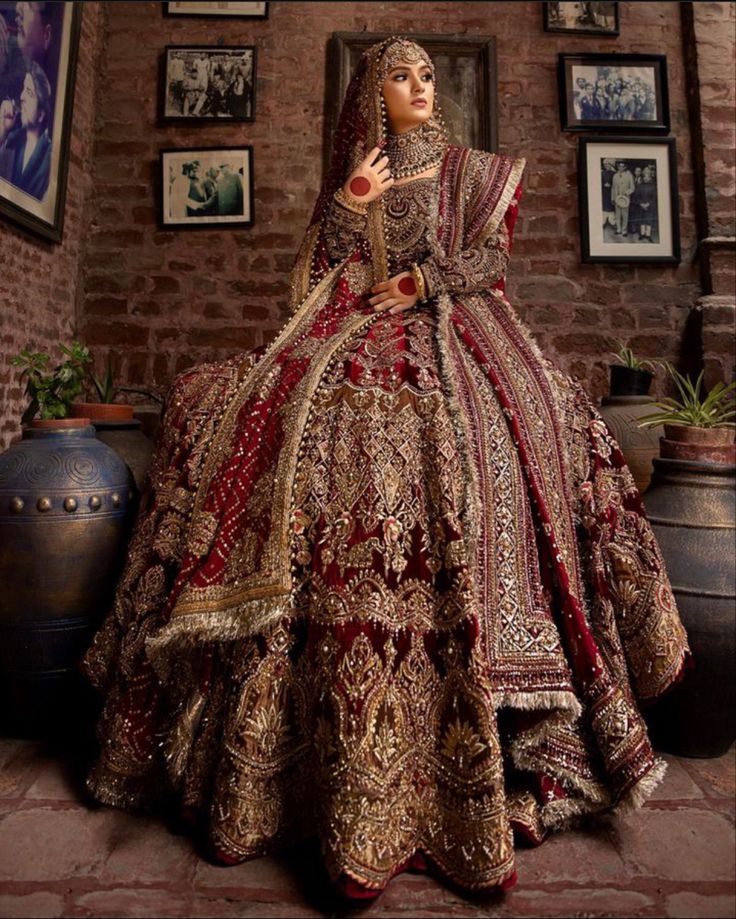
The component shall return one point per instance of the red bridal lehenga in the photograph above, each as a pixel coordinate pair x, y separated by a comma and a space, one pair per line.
391, 584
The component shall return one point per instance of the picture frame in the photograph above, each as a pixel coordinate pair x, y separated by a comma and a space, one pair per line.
613, 92
218, 10
37, 84
208, 84
466, 78
581, 18
636, 218
218, 181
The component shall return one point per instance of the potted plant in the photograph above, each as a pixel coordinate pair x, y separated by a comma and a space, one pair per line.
623, 408
115, 422
697, 426
629, 375
105, 408
50, 392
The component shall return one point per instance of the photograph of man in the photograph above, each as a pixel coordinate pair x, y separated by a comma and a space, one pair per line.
622, 188
26, 151
607, 173
229, 191
187, 193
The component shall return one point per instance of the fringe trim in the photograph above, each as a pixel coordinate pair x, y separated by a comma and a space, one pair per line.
196, 629
558, 700
642, 789
564, 812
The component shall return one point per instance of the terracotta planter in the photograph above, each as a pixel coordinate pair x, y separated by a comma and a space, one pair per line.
102, 411
703, 445
62, 424
628, 382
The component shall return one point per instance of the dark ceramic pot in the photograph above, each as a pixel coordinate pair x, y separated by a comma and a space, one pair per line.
638, 445
130, 443
692, 508
66, 504
116, 427
628, 382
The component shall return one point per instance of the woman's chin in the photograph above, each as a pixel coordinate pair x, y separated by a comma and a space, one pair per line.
413, 119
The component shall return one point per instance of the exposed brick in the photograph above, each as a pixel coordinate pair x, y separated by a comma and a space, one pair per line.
113, 251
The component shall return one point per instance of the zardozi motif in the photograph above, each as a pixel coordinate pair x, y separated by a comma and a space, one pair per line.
392, 583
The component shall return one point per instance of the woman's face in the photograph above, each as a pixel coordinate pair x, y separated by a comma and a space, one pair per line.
408, 92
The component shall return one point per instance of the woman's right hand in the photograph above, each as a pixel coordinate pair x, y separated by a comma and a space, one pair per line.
370, 180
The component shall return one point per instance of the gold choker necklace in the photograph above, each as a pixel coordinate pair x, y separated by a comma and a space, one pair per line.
415, 151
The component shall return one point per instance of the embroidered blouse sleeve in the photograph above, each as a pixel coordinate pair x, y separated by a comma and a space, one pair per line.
476, 268
342, 230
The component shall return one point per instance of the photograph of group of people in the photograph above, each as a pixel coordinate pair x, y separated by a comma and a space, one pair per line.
209, 83
30, 36
207, 186
614, 93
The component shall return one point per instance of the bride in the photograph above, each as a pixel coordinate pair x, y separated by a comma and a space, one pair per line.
392, 584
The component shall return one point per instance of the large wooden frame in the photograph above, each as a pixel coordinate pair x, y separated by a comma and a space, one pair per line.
34, 196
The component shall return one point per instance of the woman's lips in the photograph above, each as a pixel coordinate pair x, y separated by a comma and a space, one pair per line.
421, 103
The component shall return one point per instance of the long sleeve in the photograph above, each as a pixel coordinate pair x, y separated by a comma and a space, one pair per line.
342, 230
470, 270
477, 267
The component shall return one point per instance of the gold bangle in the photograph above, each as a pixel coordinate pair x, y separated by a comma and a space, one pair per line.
357, 207
416, 272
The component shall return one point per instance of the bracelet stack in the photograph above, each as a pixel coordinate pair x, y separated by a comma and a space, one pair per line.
352, 204
416, 273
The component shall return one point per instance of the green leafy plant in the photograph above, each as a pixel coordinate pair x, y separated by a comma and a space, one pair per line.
626, 357
52, 391
107, 391
712, 410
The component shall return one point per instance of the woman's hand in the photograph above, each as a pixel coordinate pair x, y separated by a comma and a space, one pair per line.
370, 180
395, 295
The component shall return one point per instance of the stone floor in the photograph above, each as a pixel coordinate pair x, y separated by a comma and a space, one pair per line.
59, 857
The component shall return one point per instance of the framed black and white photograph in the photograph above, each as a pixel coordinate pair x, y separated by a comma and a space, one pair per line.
613, 92
205, 83
629, 203
224, 10
466, 77
207, 187
581, 18
38, 58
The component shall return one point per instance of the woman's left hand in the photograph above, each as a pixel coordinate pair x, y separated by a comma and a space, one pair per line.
395, 295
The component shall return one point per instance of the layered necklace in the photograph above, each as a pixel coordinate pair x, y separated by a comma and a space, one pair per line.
416, 150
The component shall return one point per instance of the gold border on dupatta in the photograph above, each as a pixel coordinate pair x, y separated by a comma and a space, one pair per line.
258, 601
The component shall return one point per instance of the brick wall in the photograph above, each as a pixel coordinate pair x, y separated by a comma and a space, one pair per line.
161, 301
714, 31
39, 280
